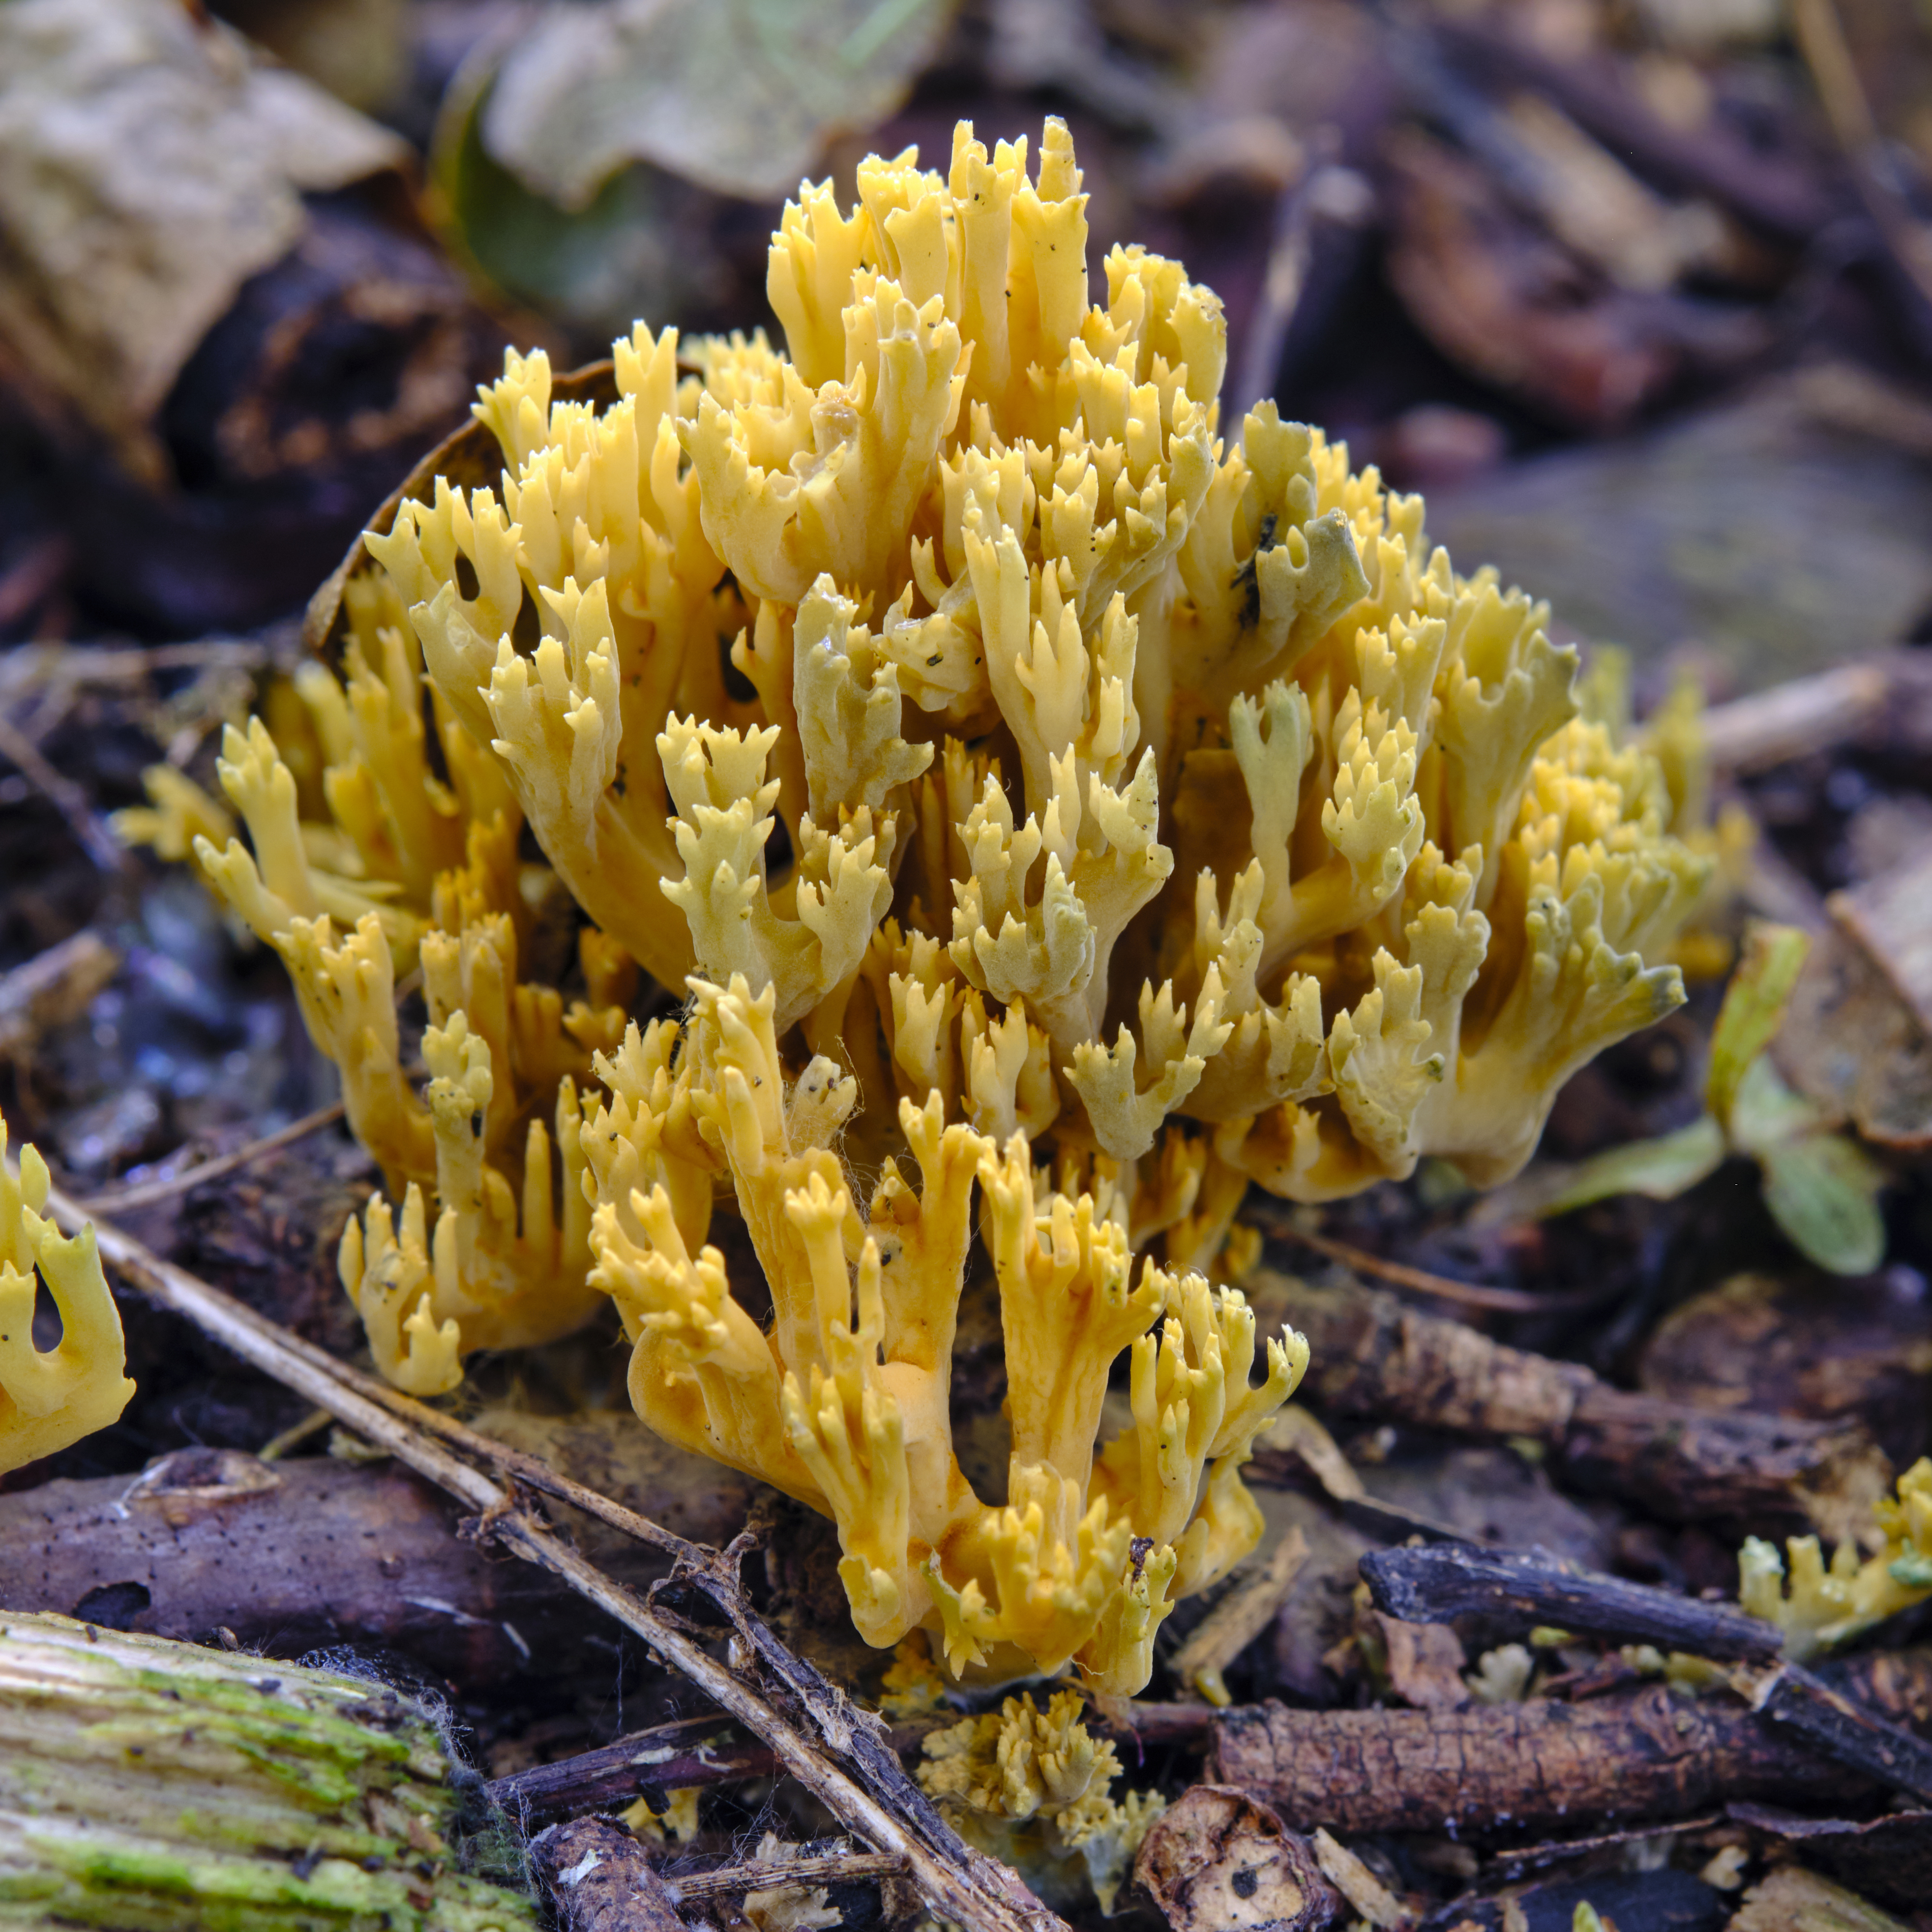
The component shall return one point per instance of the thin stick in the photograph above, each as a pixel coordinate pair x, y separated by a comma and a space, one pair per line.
964, 1885
835, 1868
1821, 40
148, 1191
1512, 1300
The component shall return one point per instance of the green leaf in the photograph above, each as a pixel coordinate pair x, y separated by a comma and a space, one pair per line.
1661, 1168
1823, 1189
1754, 1010
1766, 1111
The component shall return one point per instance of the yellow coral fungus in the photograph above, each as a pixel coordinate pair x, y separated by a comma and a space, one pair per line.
49, 1399
1035, 783
1820, 1604
1035, 1788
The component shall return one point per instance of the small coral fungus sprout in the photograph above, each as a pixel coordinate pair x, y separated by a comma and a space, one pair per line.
51, 1398
1058, 807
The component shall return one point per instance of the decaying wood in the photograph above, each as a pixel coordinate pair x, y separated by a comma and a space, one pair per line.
1373, 1356
292, 1556
691, 1751
1216, 1858
1535, 1764
1371, 1899
52, 988
1777, 197
1731, 1468
152, 1784
1446, 1580
1470, 1294
837, 1752
1440, 1582
600, 1880
1803, 715
667, 1757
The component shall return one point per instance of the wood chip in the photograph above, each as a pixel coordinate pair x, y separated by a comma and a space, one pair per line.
1360, 1886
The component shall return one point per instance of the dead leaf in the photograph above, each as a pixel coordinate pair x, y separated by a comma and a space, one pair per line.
1891, 917
737, 97
1424, 1663
1851, 1045
149, 164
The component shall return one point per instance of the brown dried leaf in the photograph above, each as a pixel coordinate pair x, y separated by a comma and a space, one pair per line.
1424, 1662
1851, 1044
149, 164
1891, 917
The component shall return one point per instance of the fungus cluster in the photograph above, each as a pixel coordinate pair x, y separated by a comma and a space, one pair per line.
1057, 809
1035, 1788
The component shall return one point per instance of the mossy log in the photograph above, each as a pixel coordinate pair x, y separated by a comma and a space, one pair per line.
151, 1786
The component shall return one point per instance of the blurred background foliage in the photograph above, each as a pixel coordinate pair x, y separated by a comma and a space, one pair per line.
1639, 290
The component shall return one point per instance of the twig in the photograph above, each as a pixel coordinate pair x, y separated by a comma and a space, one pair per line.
1474, 1295
1373, 1355
147, 1192
1809, 714
1821, 40
1526, 1858
20, 751
1437, 1585
667, 1757
1834, 1725
1775, 196
834, 1868
834, 1750
1282, 284
278, 1446
1441, 1582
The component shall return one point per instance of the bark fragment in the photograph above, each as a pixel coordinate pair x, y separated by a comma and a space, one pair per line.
1215, 1861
